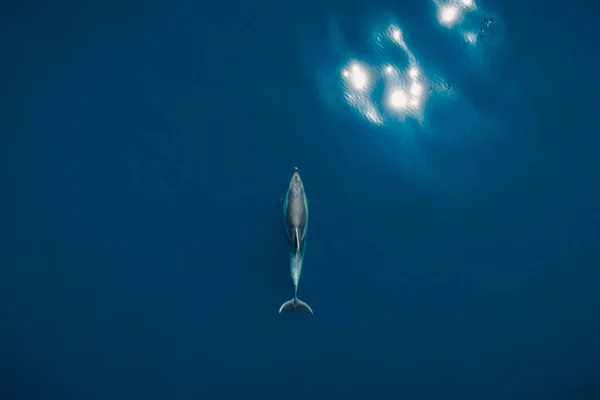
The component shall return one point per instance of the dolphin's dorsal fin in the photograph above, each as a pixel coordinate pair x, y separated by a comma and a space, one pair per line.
297, 241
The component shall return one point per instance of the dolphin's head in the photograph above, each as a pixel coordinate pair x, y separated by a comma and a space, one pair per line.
296, 176
296, 181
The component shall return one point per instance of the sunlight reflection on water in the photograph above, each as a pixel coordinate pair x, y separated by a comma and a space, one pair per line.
399, 88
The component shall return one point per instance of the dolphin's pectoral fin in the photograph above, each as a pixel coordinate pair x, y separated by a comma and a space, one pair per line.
281, 199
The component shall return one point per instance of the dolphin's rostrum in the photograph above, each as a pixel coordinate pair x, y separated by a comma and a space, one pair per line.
295, 211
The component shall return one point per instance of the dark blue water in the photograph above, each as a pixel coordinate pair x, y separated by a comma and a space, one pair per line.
453, 248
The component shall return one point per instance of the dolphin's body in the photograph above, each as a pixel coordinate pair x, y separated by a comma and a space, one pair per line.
295, 211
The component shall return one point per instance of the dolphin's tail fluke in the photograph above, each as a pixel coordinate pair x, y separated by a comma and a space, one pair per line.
295, 304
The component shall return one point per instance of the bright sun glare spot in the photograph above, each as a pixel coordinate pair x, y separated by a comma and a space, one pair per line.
357, 76
448, 15
404, 87
468, 3
396, 34
397, 99
416, 89
413, 72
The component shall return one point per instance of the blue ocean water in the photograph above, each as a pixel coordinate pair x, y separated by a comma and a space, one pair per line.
449, 154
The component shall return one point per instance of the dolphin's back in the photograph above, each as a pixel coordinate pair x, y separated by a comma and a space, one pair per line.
296, 213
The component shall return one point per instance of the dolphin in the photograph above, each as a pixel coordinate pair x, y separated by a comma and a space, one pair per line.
295, 212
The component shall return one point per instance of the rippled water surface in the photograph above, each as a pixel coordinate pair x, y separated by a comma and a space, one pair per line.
449, 154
